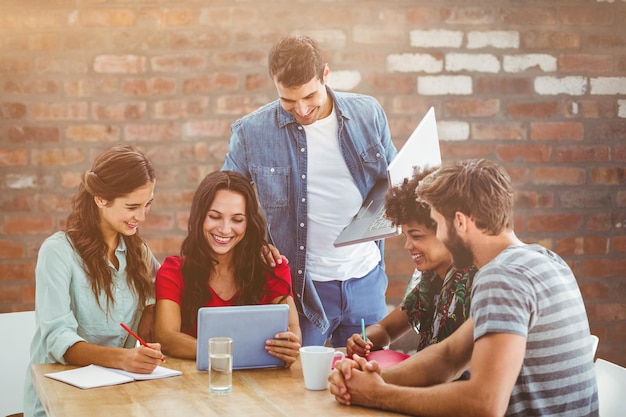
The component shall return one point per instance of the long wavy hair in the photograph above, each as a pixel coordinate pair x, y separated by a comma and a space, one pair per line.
118, 171
198, 260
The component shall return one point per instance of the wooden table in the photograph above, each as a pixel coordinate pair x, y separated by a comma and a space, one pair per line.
260, 392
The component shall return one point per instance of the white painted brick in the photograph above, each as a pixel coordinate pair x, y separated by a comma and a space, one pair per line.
434, 85
21, 182
414, 63
608, 85
344, 80
520, 63
453, 130
436, 38
498, 39
574, 86
472, 62
621, 108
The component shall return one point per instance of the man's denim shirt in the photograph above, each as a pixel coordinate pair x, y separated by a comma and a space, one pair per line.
269, 147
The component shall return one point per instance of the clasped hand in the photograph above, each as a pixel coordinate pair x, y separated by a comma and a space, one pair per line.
356, 381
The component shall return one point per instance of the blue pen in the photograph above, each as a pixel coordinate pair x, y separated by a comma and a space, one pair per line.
363, 330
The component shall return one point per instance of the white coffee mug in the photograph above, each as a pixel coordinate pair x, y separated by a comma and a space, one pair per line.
317, 362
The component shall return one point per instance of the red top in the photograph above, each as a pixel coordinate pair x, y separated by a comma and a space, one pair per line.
169, 286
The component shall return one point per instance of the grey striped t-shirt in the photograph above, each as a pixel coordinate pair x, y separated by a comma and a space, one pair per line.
530, 291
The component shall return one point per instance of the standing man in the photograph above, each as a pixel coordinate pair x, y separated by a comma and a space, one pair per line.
527, 341
314, 154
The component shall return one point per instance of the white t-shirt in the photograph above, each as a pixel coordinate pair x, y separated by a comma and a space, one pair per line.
333, 200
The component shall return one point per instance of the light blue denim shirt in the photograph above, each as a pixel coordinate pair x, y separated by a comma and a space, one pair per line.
66, 311
269, 147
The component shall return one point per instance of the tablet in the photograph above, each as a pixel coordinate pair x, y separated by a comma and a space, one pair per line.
248, 326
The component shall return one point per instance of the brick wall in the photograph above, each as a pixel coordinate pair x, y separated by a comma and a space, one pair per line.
539, 86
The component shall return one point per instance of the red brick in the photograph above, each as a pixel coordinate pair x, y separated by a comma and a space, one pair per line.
169, 131
170, 16
260, 81
91, 88
600, 268
420, 15
608, 175
120, 111
13, 157
582, 153
557, 131
534, 199
14, 65
93, 133
498, 131
17, 270
620, 152
211, 82
53, 65
618, 243
606, 311
536, 15
237, 105
617, 334
23, 134
12, 111
468, 16
608, 130
594, 290
36, 87
472, 107
119, 64
180, 109
243, 58
33, 42
532, 110
206, 39
385, 82
60, 111
20, 203
10, 250
451, 151
524, 153
494, 85
577, 16
106, 17
621, 199
580, 198
548, 223
217, 128
588, 245
549, 39
53, 203
558, 175
585, 63
178, 63
19, 225
149, 87
57, 157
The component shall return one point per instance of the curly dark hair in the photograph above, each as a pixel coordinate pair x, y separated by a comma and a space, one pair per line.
401, 203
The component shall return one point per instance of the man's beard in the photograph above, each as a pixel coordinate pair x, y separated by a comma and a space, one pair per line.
462, 256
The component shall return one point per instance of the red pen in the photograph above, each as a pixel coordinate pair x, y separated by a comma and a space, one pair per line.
136, 336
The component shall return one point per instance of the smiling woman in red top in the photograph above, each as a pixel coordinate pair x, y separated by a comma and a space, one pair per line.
220, 265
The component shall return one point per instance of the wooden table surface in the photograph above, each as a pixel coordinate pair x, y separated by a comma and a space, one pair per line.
260, 392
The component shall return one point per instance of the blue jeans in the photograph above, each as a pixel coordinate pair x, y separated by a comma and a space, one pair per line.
345, 304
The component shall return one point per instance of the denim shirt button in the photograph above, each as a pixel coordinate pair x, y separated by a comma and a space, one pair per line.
301, 247
301, 149
301, 224
303, 176
299, 272
272, 170
377, 154
299, 127
303, 199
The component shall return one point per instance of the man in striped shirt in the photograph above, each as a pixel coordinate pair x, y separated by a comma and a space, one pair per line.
527, 343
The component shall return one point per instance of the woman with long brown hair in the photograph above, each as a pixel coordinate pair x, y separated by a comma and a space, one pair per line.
220, 265
97, 273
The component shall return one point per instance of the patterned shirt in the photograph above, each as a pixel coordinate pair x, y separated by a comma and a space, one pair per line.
436, 307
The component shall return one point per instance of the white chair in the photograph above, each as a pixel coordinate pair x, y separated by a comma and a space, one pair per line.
611, 388
17, 330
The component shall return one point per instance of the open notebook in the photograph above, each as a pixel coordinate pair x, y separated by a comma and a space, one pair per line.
92, 376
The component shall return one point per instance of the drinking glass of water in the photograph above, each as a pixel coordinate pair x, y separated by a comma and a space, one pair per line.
220, 365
